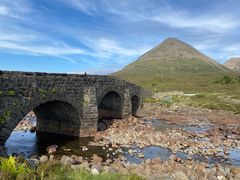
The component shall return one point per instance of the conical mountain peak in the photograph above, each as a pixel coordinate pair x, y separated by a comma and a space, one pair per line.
173, 62
174, 48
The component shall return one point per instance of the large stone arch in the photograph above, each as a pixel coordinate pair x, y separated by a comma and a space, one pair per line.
110, 106
38, 105
135, 101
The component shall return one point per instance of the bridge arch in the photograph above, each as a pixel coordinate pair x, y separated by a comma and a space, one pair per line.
135, 104
57, 117
110, 106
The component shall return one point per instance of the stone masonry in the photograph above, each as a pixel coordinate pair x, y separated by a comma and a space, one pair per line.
69, 104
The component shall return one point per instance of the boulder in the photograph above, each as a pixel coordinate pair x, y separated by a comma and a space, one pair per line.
179, 175
43, 159
96, 169
52, 149
84, 148
96, 159
66, 160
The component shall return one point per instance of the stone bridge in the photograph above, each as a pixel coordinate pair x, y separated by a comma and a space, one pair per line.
69, 104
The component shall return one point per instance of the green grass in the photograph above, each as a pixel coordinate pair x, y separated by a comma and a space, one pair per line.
210, 101
11, 169
205, 100
61, 172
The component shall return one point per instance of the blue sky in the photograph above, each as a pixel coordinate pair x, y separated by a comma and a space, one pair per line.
102, 36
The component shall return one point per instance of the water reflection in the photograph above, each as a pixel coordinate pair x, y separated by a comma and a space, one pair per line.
28, 144
21, 142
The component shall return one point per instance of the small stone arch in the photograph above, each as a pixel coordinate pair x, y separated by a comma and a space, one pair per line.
110, 106
135, 104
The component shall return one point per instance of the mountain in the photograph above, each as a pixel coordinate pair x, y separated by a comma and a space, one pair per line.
233, 64
173, 65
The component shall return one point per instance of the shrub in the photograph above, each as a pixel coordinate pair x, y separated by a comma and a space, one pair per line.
11, 93
226, 80
11, 169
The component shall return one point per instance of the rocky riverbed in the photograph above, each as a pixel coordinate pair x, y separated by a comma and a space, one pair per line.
165, 143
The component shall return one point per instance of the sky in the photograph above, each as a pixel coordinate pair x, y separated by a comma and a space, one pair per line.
103, 36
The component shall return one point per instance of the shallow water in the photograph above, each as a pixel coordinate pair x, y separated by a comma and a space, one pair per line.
149, 153
161, 125
234, 157
199, 128
29, 144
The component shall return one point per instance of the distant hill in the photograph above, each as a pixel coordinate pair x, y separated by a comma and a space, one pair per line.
173, 65
233, 64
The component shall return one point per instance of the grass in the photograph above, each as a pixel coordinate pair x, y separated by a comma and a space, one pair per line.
206, 100
11, 168
61, 172
210, 101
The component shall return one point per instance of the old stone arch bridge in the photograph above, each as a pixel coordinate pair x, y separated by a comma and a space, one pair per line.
67, 104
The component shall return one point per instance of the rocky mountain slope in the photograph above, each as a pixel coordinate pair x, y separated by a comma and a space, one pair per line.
233, 64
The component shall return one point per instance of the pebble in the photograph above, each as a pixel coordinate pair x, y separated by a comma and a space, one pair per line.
84, 148
140, 155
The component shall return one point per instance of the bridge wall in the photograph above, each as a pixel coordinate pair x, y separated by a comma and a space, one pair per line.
64, 103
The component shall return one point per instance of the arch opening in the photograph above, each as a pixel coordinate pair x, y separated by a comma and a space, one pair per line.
45, 125
57, 117
109, 108
135, 105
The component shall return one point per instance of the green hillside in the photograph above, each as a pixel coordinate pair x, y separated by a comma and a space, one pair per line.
175, 65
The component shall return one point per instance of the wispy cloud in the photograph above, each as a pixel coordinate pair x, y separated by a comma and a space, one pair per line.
15, 9
87, 7
209, 23
108, 48
41, 50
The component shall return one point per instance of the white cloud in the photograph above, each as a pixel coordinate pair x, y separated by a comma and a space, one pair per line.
107, 48
164, 13
210, 23
84, 6
15, 9
40, 49
3, 10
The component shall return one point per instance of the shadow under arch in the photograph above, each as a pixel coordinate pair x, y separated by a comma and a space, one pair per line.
109, 108
57, 123
58, 117
135, 105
